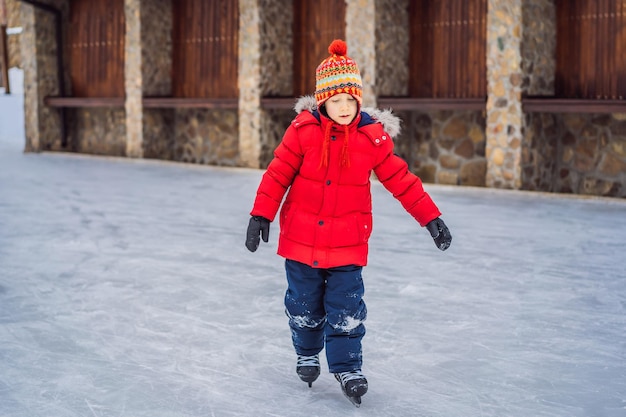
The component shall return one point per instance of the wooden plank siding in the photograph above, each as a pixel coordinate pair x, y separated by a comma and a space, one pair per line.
316, 24
205, 48
96, 48
447, 57
591, 49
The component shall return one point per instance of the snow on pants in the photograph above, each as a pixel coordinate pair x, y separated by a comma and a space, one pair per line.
325, 306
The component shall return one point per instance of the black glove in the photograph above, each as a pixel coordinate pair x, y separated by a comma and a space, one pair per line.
258, 225
440, 233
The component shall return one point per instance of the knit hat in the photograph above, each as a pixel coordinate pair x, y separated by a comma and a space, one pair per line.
337, 74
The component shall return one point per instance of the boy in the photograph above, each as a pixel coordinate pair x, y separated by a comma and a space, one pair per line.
325, 161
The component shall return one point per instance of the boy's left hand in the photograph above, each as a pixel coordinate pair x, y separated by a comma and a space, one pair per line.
440, 233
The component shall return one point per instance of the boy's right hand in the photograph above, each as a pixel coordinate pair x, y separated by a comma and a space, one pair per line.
257, 226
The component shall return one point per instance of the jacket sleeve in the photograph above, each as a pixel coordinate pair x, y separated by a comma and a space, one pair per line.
279, 175
393, 172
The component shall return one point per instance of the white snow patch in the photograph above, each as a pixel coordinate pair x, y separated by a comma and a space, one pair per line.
349, 324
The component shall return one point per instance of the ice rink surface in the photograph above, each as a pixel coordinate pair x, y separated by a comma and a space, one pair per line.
126, 290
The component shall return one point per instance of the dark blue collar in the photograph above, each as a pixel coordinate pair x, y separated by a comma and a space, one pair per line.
366, 119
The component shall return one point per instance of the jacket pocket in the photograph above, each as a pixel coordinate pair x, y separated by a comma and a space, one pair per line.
365, 226
352, 230
285, 219
297, 225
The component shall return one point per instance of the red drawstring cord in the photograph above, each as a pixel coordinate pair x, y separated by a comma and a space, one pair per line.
345, 157
326, 146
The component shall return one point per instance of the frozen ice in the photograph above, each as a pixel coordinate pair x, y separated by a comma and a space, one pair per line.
126, 290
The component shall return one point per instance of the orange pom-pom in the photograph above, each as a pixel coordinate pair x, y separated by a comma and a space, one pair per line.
338, 47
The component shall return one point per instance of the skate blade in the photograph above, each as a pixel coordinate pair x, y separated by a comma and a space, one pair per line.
355, 400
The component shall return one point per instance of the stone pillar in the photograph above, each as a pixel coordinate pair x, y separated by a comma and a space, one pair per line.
156, 77
249, 83
133, 79
29, 63
540, 143
39, 53
504, 127
13, 8
361, 40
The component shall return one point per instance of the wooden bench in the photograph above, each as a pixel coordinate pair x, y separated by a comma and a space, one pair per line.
148, 102
530, 104
396, 103
430, 104
571, 105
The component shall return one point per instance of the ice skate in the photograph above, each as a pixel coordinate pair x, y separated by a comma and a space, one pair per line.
353, 385
308, 368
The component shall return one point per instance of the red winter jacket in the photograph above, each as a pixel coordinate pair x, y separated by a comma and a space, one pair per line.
326, 219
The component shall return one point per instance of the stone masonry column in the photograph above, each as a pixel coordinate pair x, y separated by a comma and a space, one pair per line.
249, 83
39, 60
361, 40
504, 127
32, 102
133, 79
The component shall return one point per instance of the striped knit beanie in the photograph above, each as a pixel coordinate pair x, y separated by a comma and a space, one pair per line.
337, 74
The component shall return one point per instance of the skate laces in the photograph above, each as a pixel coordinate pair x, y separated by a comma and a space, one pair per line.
308, 360
344, 377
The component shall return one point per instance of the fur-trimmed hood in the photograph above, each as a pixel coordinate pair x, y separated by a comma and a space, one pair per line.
391, 123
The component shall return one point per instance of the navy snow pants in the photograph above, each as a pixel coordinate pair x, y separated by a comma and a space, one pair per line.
326, 307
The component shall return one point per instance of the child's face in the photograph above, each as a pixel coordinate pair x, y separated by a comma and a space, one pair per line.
341, 108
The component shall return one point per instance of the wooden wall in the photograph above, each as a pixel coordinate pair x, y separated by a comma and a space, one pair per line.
591, 49
205, 48
447, 47
96, 48
316, 24
447, 56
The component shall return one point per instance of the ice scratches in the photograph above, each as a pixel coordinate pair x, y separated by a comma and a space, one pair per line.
526, 321
91, 408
